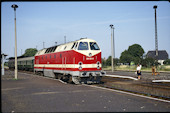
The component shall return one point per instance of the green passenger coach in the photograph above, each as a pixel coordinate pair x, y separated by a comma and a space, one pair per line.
24, 63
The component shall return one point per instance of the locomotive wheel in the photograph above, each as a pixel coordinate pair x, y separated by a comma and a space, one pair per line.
70, 80
41, 74
60, 77
56, 76
76, 80
66, 78
36, 72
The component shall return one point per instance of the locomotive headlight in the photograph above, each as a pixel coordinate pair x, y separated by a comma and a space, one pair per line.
80, 65
90, 54
98, 65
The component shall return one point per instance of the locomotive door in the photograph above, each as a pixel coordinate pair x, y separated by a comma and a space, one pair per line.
74, 62
64, 63
37, 61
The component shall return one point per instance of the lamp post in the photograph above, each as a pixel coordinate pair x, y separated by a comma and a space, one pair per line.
112, 46
15, 6
64, 39
43, 45
55, 43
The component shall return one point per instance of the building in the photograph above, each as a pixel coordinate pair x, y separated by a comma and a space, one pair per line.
162, 55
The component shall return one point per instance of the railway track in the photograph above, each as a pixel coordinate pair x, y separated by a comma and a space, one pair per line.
147, 88
141, 83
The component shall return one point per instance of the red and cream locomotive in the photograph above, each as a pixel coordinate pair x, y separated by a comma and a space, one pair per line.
78, 61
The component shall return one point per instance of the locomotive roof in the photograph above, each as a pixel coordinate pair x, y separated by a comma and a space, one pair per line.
61, 46
81, 39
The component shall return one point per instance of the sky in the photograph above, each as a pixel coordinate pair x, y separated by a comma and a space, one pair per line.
49, 22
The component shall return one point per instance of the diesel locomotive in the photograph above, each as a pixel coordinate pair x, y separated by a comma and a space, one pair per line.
78, 61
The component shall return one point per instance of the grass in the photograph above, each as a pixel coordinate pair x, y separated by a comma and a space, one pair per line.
15, 79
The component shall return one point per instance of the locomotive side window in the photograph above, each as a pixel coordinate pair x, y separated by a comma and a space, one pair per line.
73, 45
94, 46
51, 49
83, 46
65, 47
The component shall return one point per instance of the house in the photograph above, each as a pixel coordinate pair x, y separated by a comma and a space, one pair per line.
162, 55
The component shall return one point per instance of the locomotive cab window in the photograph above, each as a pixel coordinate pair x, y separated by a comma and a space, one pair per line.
83, 46
94, 46
76, 45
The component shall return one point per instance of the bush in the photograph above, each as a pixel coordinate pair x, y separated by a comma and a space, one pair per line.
167, 62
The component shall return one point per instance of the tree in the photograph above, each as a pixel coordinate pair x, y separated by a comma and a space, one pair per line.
30, 52
108, 61
166, 61
126, 57
103, 62
148, 62
116, 61
136, 50
134, 53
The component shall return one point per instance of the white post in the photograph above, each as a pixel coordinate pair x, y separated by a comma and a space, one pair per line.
2, 60
16, 71
112, 52
16, 68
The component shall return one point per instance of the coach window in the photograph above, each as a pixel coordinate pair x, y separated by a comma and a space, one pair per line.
83, 46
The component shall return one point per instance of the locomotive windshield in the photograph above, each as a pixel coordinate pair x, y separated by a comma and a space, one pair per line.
94, 46
83, 46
